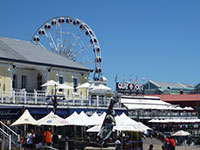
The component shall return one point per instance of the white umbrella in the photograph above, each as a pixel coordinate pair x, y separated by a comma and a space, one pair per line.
188, 108
94, 119
123, 123
143, 127
25, 119
126, 128
102, 117
64, 86
52, 120
51, 83
85, 85
71, 117
81, 120
94, 128
100, 87
181, 133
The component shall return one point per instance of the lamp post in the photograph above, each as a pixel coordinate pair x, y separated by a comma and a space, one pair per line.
55, 99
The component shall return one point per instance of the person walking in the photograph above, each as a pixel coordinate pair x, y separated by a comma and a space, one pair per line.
48, 137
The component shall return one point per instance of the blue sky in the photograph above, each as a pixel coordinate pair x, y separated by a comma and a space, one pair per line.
158, 39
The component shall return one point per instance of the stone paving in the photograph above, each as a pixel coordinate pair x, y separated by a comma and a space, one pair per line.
157, 145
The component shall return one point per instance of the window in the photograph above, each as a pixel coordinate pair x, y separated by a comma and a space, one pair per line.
14, 81
23, 82
75, 84
60, 79
39, 81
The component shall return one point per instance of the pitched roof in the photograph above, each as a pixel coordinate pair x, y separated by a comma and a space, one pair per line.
27, 52
166, 85
180, 97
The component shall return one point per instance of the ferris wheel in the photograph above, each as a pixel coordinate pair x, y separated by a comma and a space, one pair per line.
72, 38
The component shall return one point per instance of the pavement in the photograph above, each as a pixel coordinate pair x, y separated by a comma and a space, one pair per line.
158, 144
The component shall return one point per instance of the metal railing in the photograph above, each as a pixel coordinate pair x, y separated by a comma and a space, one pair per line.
49, 147
161, 115
7, 136
15, 138
23, 97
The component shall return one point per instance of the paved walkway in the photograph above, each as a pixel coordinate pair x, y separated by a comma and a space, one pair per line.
157, 145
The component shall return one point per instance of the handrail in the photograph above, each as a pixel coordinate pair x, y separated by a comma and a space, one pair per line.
9, 129
49, 147
4, 132
9, 138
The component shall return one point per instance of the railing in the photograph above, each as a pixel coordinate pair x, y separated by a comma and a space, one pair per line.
8, 137
49, 147
23, 97
161, 115
15, 138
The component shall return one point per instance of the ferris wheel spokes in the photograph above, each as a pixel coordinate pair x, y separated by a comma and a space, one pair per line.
80, 51
51, 41
71, 38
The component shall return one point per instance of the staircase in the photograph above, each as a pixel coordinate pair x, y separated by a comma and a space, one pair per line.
9, 139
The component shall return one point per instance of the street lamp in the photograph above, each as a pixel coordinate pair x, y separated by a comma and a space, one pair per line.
55, 99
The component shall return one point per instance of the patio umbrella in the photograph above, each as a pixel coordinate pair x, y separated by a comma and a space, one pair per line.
95, 119
124, 123
100, 87
81, 120
71, 117
181, 133
52, 120
85, 85
95, 128
188, 108
25, 119
64, 86
51, 83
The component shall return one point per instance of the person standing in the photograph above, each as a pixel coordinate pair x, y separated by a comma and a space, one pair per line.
48, 137
29, 139
38, 139
55, 140
172, 143
118, 144
167, 143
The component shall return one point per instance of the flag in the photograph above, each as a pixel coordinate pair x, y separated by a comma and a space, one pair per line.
123, 78
136, 80
116, 77
130, 78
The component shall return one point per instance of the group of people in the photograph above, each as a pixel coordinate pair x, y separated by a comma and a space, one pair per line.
36, 140
169, 143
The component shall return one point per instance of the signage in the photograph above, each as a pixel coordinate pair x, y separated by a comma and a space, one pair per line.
9, 113
131, 88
